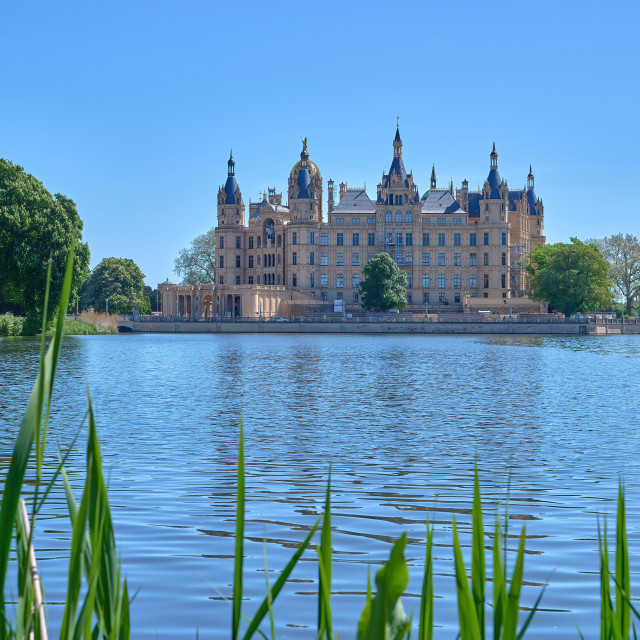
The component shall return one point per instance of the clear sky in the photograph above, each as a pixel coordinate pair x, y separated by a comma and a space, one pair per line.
130, 108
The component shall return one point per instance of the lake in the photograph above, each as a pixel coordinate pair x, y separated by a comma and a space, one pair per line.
552, 423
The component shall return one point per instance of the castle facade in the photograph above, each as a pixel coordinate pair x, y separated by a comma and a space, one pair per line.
454, 247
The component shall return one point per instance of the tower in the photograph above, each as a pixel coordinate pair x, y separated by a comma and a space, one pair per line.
432, 182
330, 201
305, 189
230, 205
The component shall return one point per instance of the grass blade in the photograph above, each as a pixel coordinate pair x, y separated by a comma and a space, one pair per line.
239, 551
513, 596
467, 618
324, 569
478, 569
499, 584
623, 583
425, 627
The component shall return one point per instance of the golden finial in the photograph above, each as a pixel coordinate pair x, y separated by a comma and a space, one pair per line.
304, 143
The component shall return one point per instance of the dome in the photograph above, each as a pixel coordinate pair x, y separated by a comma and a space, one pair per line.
305, 162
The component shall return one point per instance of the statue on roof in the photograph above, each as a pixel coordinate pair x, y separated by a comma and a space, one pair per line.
304, 143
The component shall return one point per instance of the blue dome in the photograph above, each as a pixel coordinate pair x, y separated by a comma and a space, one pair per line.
230, 189
304, 180
531, 199
494, 183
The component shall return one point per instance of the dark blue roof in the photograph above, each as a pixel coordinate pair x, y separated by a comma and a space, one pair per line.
494, 183
398, 166
531, 199
513, 196
230, 189
474, 205
439, 201
355, 201
397, 139
304, 180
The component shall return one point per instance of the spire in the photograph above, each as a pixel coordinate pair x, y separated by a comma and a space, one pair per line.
530, 179
494, 157
433, 176
231, 165
451, 186
397, 142
304, 154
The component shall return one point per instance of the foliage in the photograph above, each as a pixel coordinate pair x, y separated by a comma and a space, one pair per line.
118, 280
97, 602
11, 325
384, 284
35, 226
623, 255
196, 264
154, 296
571, 277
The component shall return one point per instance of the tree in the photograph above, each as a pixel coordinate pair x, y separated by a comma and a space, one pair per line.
623, 255
196, 264
118, 280
384, 285
35, 227
570, 277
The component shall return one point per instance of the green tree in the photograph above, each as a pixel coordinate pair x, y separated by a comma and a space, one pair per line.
35, 227
570, 277
623, 255
118, 280
196, 264
384, 285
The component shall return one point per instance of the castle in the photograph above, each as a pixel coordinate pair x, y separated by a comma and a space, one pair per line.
458, 250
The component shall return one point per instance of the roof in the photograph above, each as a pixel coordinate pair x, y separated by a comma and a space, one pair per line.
513, 197
230, 188
355, 201
474, 205
304, 180
531, 199
439, 201
494, 182
397, 167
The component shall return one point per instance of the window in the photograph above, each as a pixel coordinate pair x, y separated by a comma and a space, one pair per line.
237, 279
355, 296
250, 242
504, 238
441, 260
472, 259
409, 239
279, 242
387, 216
222, 262
456, 297
312, 237
398, 237
312, 258
221, 279
486, 238
503, 277
278, 278
371, 239
311, 280
323, 279
472, 282
237, 262
409, 217
250, 279
294, 238
408, 258
389, 237
399, 216
425, 259
238, 242
399, 257
221, 242
486, 280
457, 260
370, 255
355, 220
294, 258
324, 260
258, 259
339, 259
425, 239
355, 280
504, 259
425, 280
441, 297
356, 239
258, 279
250, 262
409, 297
409, 280
425, 297
294, 280
441, 239
356, 259
472, 239
441, 282
339, 281
260, 241
339, 239
324, 239
456, 239
279, 259
339, 295
486, 260
323, 295
457, 281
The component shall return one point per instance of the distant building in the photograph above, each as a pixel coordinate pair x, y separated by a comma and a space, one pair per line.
453, 247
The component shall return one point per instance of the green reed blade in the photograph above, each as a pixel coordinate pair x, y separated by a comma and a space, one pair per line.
623, 582
238, 560
605, 589
324, 568
425, 626
513, 596
499, 584
279, 583
478, 569
529, 618
467, 618
365, 617
266, 579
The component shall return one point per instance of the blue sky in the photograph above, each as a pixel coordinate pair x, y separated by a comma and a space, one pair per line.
130, 108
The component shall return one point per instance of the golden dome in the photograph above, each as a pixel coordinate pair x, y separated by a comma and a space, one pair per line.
304, 161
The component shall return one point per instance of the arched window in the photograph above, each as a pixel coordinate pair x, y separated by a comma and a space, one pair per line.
279, 240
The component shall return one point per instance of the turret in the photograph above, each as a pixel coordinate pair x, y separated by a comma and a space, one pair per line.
330, 201
305, 189
230, 205
432, 182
